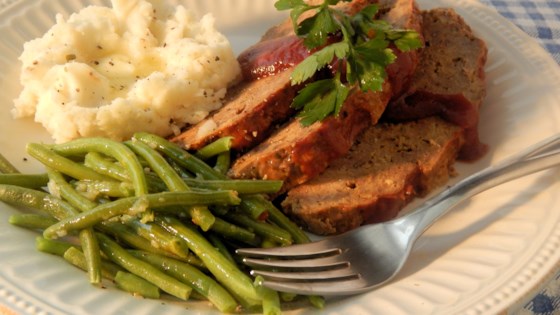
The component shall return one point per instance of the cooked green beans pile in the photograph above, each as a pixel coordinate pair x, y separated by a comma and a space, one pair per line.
152, 218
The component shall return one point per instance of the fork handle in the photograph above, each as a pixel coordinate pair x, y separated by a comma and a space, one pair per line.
541, 156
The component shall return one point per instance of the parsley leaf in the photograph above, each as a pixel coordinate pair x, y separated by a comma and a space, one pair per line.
317, 29
320, 99
363, 53
310, 65
406, 40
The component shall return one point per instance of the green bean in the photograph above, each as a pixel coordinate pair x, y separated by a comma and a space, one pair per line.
254, 207
60, 163
155, 184
6, 167
126, 234
220, 246
77, 258
233, 232
89, 242
224, 270
182, 157
25, 180
215, 148
224, 228
201, 216
137, 205
242, 186
59, 186
124, 280
137, 286
52, 247
199, 281
159, 165
97, 162
276, 216
160, 238
142, 269
32, 221
102, 165
117, 150
316, 301
269, 243
220, 210
279, 218
271, 299
42, 201
178, 169
111, 189
287, 296
223, 162
262, 228
90, 248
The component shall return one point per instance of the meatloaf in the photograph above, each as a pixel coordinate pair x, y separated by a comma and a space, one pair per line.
296, 154
449, 80
389, 165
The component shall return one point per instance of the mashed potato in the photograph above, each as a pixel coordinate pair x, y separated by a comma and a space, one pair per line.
140, 65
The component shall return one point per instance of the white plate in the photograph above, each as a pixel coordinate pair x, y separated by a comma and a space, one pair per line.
485, 256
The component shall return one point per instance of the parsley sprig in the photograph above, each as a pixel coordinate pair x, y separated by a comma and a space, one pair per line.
363, 47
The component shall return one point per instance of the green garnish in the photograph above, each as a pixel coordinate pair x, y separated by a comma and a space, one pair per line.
363, 53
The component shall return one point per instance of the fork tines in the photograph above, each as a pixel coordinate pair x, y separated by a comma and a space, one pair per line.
301, 269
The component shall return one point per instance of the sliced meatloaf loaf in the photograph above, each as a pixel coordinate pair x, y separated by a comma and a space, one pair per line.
449, 80
389, 165
296, 154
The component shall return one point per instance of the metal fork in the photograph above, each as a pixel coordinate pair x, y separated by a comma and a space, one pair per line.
370, 256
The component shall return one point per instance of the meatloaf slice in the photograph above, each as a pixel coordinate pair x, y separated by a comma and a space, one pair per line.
250, 109
449, 80
389, 165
